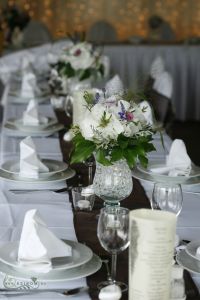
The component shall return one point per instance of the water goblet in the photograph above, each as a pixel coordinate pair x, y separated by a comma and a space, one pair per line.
168, 197
113, 234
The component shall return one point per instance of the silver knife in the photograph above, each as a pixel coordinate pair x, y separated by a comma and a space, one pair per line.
65, 292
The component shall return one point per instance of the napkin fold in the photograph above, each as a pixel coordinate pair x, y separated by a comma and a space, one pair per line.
147, 111
31, 115
157, 67
114, 86
178, 163
30, 164
164, 84
38, 245
29, 86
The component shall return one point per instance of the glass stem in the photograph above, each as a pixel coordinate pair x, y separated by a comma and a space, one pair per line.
89, 174
114, 267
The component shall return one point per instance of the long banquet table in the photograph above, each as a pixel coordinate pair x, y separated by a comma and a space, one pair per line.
56, 207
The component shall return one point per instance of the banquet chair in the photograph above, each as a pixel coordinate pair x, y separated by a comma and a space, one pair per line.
102, 32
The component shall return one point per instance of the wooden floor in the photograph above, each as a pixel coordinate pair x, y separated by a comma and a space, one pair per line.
189, 132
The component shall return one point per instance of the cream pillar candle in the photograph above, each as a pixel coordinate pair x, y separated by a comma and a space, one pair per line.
152, 235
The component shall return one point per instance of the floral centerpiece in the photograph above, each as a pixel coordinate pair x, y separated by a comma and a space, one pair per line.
78, 65
114, 129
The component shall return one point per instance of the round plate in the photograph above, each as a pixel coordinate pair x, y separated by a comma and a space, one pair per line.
191, 249
19, 123
12, 130
91, 267
55, 166
143, 174
81, 254
187, 262
57, 177
20, 100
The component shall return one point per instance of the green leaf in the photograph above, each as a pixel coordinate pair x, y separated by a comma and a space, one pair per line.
123, 141
143, 160
67, 70
130, 156
149, 147
101, 157
82, 152
86, 74
116, 154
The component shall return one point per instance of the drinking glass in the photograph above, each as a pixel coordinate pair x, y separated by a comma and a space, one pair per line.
113, 234
168, 197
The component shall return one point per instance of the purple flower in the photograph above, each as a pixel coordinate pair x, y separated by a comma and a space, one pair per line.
122, 115
97, 97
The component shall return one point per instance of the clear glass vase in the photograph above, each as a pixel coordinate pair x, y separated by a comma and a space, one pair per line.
113, 183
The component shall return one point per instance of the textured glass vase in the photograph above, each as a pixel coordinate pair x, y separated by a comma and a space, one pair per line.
113, 183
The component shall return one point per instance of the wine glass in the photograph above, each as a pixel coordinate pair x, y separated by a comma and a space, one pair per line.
168, 197
113, 234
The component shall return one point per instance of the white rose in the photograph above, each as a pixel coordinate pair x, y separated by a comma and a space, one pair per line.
80, 57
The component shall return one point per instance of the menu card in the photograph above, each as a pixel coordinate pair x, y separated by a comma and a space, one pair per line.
152, 235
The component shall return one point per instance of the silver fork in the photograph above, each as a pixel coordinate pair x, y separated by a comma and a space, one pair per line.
67, 292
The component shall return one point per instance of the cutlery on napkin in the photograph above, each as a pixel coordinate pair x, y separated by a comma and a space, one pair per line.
29, 86
178, 163
31, 115
38, 245
65, 292
30, 163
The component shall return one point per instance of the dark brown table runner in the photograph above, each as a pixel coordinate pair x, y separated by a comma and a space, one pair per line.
86, 224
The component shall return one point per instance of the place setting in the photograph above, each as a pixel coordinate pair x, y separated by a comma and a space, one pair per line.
41, 255
177, 168
32, 123
31, 169
189, 257
28, 88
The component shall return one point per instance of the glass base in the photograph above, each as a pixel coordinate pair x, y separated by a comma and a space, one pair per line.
123, 286
112, 204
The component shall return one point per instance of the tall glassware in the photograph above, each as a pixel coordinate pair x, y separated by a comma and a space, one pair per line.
113, 234
167, 197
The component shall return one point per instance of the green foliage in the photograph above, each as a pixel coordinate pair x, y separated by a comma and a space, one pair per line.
131, 149
104, 121
65, 70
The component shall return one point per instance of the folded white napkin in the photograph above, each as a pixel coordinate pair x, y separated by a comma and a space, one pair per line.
109, 292
31, 115
38, 245
30, 164
164, 85
157, 67
178, 163
147, 111
114, 86
29, 86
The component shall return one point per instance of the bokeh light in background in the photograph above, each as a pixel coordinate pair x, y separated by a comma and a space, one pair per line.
129, 17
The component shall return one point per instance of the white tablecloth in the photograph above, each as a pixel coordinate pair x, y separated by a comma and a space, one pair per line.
55, 208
